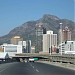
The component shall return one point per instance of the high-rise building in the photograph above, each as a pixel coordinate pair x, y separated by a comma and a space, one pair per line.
49, 41
39, 32
46, 42
23, 44
60, 36
64, 35
28, 46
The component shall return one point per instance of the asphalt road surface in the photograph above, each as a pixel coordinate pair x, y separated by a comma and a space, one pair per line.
30, 68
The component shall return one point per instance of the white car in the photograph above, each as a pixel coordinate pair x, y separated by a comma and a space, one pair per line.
31, 59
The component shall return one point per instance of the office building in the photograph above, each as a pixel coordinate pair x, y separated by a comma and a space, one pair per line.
67, 47
28, 46
12, 49
46, 42
32, 49
64, 35
23, 44
39, 32
16, 39
49, 41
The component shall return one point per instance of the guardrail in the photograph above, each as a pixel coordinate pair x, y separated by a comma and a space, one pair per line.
66, 58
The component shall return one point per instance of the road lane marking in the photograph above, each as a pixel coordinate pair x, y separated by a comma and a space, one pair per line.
33, 66
37, 70
3, 69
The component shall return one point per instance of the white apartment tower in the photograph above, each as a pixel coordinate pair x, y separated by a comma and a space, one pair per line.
46, 42
49, 41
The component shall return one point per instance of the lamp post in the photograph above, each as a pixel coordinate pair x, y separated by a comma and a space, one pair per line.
61, 36
22, 45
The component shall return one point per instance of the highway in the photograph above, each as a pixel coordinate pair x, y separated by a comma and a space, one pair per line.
30, 68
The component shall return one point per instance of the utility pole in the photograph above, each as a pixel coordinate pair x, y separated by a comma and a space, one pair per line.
61, 36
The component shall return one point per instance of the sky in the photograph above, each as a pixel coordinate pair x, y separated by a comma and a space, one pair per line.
14, 13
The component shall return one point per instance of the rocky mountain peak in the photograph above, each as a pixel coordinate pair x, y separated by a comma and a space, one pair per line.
50, 22
52, 17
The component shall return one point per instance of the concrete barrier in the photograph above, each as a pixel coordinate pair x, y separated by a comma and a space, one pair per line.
64, 65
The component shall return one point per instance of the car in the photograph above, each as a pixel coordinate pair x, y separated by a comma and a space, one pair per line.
31, 59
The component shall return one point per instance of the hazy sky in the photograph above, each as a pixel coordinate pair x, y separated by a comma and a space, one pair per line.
15, 12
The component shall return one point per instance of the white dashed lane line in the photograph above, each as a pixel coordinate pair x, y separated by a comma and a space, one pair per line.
3, 69
34, 68
37, 70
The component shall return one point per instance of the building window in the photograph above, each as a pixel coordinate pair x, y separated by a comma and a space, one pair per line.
11, 49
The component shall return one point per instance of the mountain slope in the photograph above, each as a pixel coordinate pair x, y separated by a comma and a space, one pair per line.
50, 22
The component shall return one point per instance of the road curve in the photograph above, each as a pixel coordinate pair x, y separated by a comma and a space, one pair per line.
30, 68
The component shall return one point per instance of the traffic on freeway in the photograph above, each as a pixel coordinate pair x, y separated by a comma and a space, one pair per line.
32, 68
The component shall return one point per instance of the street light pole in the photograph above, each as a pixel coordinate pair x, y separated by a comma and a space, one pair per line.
61, 36
22, 45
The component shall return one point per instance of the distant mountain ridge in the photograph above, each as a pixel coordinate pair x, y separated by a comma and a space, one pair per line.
50, 22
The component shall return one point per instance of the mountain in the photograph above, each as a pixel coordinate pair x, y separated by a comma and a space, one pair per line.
27, 30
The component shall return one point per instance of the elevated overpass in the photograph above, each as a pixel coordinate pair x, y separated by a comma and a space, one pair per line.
65, 58
24, 56
31, 55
